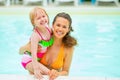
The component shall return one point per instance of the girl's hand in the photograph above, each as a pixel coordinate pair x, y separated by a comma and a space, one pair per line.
40, 70
37, 74
37, 71
53, 74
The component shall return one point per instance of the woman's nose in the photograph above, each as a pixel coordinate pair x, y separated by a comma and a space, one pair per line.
60, 28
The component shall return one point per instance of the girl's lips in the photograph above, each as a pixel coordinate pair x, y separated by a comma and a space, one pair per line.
42, 23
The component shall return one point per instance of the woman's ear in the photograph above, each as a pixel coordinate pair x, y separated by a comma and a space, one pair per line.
69, 30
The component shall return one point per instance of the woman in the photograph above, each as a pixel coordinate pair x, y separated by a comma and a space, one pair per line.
58, 57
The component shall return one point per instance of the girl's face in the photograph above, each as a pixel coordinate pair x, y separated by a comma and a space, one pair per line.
60, 27
41, 18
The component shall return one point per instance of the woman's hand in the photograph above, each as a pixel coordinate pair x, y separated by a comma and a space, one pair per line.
53, 74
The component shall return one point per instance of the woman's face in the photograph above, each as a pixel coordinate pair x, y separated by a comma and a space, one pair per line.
60, 27
41, 18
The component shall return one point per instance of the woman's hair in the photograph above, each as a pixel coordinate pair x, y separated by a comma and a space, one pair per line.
33, 13
68, 40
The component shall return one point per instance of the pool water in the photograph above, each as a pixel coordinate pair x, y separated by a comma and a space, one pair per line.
97, 52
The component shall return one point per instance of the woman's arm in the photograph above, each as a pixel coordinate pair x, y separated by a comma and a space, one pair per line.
24, 48
67, 61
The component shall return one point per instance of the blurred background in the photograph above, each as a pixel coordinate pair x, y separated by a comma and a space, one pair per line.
58, 2
96, 25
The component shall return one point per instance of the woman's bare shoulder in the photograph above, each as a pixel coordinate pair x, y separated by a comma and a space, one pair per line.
69, 50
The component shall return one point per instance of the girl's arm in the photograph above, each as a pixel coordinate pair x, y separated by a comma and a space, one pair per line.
34, 46
38, 67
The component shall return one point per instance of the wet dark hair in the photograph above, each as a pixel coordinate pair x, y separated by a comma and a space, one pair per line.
68, 40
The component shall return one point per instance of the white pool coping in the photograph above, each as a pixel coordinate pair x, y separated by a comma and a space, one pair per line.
31, 77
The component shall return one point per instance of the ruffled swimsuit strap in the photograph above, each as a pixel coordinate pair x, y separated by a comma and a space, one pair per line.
45, 43
48, 30
41, 35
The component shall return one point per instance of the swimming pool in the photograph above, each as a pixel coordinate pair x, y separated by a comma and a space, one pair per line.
97, 52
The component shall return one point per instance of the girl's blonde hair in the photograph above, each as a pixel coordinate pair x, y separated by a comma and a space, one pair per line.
33, 13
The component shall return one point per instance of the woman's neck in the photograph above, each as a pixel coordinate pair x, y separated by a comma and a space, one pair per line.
57, 42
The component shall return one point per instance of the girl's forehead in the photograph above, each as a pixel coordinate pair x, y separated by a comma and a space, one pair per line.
39, 12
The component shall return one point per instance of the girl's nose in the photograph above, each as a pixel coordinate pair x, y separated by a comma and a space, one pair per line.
43, 20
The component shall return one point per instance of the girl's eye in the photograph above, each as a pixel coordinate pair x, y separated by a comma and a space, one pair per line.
43, 16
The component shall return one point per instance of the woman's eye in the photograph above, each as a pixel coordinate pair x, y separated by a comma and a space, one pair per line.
58, 25
64, 26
